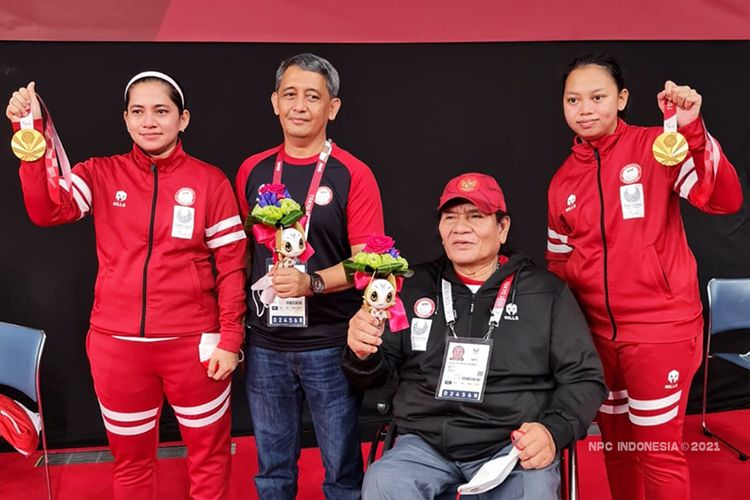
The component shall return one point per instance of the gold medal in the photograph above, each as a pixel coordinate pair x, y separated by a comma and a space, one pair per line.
28, 144
670, 148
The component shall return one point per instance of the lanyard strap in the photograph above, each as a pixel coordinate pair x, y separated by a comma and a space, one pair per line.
497, 308
320, 166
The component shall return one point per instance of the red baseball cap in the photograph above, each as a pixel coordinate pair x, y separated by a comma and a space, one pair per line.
480, 189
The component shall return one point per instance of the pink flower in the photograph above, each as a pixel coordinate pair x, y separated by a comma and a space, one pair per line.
379, 244
278, 189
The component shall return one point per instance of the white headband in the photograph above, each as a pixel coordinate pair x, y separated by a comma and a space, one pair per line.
160, 76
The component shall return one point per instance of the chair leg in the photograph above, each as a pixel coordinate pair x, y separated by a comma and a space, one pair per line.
704, 424
41, 414
45, 455
741, 455
46, 472
380, 435
573, 471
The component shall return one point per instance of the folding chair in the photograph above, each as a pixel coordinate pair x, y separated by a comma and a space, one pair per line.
568, 458
729, 309
20, 355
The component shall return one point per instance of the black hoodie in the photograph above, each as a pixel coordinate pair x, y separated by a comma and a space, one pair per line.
543, 366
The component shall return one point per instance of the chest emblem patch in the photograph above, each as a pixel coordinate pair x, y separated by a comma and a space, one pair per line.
120, 198
630, 173
323, 196
571, 203
185, 197
424, 307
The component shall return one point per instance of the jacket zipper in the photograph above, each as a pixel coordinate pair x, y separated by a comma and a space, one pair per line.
604, 243
471, 311
148, 252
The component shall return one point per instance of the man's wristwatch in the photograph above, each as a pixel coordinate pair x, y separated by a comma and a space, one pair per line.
317, 286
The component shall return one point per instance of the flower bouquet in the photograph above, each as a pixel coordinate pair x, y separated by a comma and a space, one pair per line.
276, 221
380, 270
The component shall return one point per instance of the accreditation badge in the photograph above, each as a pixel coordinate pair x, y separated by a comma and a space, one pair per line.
632, 201
288, 313
420, 333
183, 222
463, 376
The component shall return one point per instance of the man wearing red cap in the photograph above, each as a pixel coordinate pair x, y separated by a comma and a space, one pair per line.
527, 386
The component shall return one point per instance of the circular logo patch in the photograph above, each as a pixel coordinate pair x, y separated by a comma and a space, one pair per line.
323, 196
424, 307
185, 197
630, 173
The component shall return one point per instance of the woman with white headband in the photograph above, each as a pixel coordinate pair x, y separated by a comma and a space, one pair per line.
169, 298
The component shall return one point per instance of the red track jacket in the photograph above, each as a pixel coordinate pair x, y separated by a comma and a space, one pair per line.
170, 242
616, 236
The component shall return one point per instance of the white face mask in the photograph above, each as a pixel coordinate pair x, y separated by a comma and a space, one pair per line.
491, 474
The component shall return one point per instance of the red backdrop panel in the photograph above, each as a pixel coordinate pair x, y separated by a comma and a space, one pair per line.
372, 22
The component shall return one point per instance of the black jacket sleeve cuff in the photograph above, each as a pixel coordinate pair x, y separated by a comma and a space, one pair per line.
366, 373
560, 428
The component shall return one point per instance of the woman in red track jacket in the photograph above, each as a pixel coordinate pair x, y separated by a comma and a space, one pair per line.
169, 298
616, 236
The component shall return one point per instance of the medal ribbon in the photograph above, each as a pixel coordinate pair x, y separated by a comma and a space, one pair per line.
670, 117
54, 151
320, 166
27, 122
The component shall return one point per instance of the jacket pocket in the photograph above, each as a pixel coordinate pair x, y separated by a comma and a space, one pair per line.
100, 286
658, 271
201, 278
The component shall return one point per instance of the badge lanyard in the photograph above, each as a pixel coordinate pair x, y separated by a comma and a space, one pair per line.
314, 183
497, 308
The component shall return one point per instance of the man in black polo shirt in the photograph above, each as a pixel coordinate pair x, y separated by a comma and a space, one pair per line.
294, 348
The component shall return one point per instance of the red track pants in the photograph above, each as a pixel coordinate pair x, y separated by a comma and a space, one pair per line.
641, 421
131, 379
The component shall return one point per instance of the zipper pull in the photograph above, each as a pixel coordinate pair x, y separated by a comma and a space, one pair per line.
473, 299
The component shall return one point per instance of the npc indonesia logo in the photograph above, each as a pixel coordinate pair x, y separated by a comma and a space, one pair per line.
424, 307
185, 197
630, 173
323, 196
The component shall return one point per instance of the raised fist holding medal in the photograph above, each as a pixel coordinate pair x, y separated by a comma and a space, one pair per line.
28, 144
680, 105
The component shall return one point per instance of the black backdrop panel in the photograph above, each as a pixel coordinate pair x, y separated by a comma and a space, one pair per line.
417, 114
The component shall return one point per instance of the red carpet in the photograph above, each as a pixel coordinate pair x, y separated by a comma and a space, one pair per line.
716, 475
